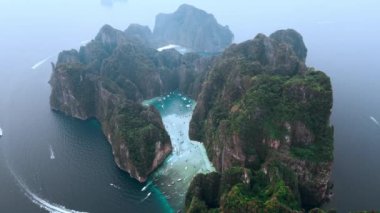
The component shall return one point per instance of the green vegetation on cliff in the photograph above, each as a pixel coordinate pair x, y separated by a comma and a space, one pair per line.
140, 136
275, 100
108, 78
264, 118
240, 191
262, 114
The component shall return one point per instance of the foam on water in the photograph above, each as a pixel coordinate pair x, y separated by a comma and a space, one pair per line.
35, 66
115, 186
179, 48
374, 120
37, 200
168, 47
52, 156
85, 42
146, 186
147, 196
42, 203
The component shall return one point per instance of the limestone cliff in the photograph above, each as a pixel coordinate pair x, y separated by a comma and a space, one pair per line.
137, 135
262, 114
192, 28
108, 79
262, 109
140, 34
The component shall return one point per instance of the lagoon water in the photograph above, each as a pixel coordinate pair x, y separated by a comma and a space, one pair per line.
50, 162
188, 158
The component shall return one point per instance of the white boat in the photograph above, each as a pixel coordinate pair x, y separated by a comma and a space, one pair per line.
115, 186
146, 186
1, 132
147, 196
52, 156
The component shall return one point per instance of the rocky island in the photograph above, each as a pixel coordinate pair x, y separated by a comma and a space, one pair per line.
262, 114
192, 28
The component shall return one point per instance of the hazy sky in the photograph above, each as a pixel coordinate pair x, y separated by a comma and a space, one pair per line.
320, 22
329, 28
245, 17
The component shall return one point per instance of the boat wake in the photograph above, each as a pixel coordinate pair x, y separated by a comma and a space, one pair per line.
52, 156
85, 42
35, 66
146, 186
43, 204
179, 48
167, 47
374, 120
115, 186
146, 197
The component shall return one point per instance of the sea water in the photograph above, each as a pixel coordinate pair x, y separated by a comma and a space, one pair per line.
188, 157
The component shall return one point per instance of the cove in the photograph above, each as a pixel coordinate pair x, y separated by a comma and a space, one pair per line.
188, 157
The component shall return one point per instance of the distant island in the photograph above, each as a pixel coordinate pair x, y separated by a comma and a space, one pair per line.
262, 114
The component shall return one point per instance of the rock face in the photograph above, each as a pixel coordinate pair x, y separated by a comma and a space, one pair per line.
293, 39
109, 78
262, 109
192, 28
262, 114
140, 34
84, 93
188, 27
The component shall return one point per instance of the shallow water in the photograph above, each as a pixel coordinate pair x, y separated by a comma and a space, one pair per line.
188, 157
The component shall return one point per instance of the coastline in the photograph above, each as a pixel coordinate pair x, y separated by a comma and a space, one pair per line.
188, 158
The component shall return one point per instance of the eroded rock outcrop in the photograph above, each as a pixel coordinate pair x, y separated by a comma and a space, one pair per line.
137, 135
141, 34
293, 39
192, 28
262, 109
109, 78
262, 114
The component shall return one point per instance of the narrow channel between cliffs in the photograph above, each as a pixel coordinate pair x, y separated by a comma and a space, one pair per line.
188, 157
